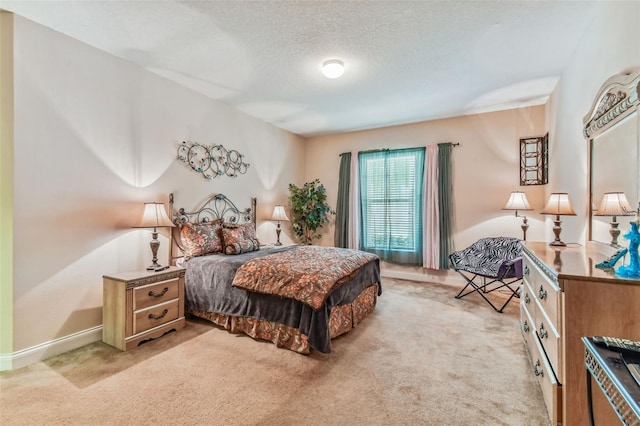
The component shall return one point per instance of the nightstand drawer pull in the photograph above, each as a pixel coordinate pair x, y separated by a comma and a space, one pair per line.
525, 326
527, 299
542, 293
526, 270
537, 370
162, 293
157, 317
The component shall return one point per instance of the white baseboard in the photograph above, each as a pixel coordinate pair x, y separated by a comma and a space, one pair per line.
37, 353
45, 350
5, 362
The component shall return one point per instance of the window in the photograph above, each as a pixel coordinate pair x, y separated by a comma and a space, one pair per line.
391, 204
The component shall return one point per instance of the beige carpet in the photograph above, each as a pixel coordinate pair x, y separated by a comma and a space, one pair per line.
421, 358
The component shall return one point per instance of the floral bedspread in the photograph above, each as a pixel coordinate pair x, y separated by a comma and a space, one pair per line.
307, 274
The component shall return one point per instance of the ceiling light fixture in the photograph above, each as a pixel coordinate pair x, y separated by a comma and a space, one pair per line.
332, 68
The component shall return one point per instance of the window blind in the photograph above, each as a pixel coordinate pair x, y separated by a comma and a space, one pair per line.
391, 203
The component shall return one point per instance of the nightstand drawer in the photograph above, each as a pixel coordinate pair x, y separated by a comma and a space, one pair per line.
153, 294
155, 316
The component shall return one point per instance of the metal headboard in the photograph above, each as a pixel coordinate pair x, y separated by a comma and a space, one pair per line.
217, 206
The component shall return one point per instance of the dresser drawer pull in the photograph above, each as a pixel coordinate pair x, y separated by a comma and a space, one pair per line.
527, 299
525, 326
542, 293
162, 293
542, 332
537, 370
157, 317
526, 270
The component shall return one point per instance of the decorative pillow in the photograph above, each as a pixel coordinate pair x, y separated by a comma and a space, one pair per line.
235, 241
248, 230
200, 239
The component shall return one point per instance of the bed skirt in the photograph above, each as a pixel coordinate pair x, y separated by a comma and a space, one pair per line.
342, 319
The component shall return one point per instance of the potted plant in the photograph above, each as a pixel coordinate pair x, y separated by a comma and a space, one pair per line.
309, 210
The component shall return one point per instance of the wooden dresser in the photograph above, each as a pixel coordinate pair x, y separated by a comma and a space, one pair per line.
142, 305
565, 297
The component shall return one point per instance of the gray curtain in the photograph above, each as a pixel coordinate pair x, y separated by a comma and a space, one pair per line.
445, 201
341, 236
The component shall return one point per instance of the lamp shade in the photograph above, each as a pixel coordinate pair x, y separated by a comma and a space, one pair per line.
559, 204
614, 204
279, 213
517, 201
154, 216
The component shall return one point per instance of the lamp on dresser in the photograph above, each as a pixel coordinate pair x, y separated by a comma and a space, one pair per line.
154, 216
558, 205
279, 215
518, 201
614, 204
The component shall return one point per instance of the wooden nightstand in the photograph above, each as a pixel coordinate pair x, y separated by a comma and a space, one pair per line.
141, 305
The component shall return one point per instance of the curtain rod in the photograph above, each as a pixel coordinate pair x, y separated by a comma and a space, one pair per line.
387, 149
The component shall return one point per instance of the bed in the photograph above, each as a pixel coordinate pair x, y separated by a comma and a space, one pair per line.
298, 297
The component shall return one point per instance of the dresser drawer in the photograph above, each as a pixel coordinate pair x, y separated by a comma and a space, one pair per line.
551, 390
549, 339
548, 295
545, 290
153, 294
527, 326
154, 316
528, 299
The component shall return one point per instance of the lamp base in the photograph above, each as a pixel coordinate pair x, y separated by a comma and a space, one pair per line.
614, 232
524, 227
556, 231
155, 245
278, 230
558, 243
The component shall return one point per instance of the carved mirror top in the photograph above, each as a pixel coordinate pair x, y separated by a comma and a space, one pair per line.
617, 98
612, 128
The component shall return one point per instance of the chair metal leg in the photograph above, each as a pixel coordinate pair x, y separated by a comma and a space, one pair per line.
483, 289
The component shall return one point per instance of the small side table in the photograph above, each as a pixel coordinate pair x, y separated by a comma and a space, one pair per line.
141, 305
621, 390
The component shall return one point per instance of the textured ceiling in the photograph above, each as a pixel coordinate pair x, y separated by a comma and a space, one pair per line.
405, 61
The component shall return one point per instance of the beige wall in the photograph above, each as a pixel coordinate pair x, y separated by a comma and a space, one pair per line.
610, 46
486, 169
485, 165
95, 137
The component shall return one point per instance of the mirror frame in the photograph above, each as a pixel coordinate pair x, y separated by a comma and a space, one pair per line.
617, 98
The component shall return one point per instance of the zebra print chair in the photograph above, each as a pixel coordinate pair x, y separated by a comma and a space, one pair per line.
488, 265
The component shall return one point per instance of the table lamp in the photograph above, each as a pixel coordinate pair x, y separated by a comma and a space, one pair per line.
154, 216
279, 215
518, 201
558, 205
614, 204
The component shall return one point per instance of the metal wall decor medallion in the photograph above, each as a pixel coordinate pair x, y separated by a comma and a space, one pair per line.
212, 160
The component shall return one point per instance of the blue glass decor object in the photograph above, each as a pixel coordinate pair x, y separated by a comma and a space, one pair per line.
632, 270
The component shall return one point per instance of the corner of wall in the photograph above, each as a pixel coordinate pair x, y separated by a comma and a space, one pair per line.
6, 189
